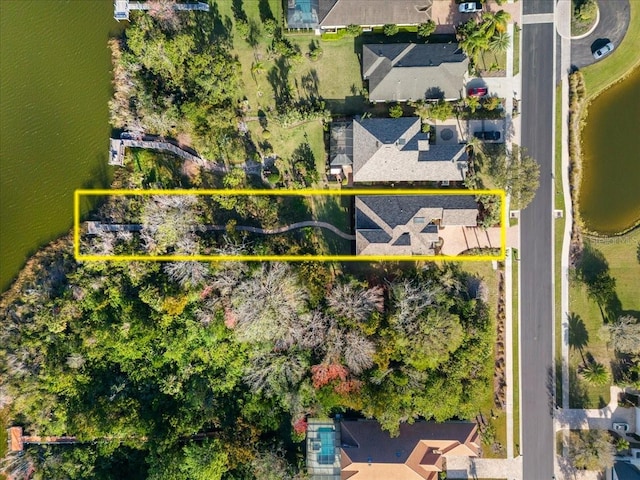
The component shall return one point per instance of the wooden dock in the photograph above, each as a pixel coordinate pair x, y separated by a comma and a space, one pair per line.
117, 150
17, 440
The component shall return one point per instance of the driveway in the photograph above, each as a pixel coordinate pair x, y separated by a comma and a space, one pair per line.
614, 21
465, 467
446, 15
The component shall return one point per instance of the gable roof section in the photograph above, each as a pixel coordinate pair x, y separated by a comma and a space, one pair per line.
340, 13
404, 71
417, 453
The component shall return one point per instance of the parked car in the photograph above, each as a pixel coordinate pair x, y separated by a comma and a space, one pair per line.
603, 51
621, 427
477, 91
470, 7
487, 135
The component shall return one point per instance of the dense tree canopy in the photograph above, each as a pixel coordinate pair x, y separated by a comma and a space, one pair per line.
129, 352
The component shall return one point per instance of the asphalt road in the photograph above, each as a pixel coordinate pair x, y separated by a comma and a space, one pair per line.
613, 24
536, 253
537, 6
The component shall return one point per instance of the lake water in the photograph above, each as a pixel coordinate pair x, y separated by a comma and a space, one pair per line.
55, 83
610, 190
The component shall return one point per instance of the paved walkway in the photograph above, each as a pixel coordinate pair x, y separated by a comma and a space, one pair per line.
593, 418
478, 468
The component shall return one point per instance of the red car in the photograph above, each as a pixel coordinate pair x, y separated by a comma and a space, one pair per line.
477, 92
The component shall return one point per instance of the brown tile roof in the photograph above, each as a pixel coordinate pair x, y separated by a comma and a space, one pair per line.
417, 453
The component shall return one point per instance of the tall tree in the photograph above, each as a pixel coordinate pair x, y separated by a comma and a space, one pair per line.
591, 450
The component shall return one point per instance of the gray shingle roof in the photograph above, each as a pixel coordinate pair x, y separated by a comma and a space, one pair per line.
388, 150
395, 224
340, 13
398, 72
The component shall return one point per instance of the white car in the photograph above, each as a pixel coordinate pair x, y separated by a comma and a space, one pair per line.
470, 7
621, 427
603, 51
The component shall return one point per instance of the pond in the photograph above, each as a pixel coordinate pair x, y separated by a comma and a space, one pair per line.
610, 188
55, 83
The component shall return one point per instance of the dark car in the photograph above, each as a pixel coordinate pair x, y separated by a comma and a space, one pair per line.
477, 91
493, 136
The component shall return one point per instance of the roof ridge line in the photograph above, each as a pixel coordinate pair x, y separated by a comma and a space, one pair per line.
402, 54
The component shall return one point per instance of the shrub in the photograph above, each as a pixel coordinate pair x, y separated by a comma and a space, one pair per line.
266, 134
390, 29
315, 54
395, 111
354, 30
440, 110
426, 29
586, 10
242, 28
270, 27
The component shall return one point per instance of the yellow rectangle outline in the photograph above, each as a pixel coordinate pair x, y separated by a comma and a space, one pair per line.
288, 258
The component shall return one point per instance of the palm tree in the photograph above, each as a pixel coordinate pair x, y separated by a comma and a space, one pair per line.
595, 374
474, 44
473, 103
495, 22
500, 42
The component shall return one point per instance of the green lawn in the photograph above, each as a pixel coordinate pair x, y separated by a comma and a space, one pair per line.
620, 63
620, 253
334, 76
485, 271
558, 238
492, 62
516, 49
516, 359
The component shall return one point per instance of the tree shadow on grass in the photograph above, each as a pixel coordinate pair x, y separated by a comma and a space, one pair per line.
265, 10
593, 270
278, 77
212, 28
578, 334
578, 393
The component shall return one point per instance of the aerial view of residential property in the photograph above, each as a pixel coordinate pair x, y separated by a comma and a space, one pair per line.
319, 239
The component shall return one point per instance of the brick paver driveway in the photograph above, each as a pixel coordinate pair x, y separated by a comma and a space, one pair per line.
446, 15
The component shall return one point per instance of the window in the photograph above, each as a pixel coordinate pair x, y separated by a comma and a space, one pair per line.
418, 219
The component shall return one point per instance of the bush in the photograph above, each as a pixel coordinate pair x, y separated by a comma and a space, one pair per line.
395, 111
354, 30
315, 54
390, 29
585, 10
426, 29
266, 134
242, 28
270, 27
440, 110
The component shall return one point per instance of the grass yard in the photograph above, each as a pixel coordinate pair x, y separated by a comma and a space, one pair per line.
334, 76
516, 49
485, 271
620, 253
558, 239
620, 63
492, 63
516, 357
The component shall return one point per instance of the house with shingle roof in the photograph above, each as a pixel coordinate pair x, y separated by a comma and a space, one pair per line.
364, 451
407, 71
329, 15
386, 150
409, 224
